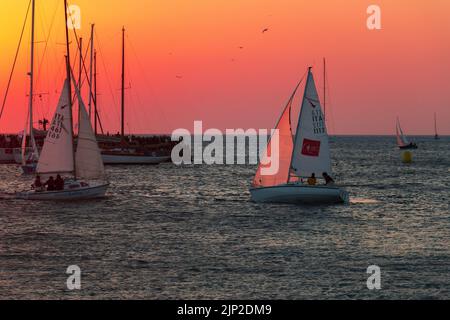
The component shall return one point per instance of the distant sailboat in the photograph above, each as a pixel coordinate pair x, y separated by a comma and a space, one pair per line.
402, 141
308, 154
436, 135
58, 156
127, 154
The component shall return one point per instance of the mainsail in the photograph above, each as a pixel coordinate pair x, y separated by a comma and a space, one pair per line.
311, 148
283, 139
402, 141
88, 159
57, 155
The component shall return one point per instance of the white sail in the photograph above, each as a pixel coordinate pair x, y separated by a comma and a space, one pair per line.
88, 159
57, 154
401, 138
311, 149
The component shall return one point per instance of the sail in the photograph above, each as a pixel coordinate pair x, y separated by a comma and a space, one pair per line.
401, 138
57, 153
311, 148
284, 146
88, 159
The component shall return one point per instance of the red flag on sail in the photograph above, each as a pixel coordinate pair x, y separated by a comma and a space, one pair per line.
311, 148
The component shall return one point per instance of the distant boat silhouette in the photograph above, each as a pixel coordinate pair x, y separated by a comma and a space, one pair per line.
436, 135
402, 141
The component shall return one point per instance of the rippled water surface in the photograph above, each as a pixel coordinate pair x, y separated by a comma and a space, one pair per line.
192, 233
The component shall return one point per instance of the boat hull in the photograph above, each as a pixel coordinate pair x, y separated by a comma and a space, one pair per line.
132, 159
83, 193
408, 147
293, 193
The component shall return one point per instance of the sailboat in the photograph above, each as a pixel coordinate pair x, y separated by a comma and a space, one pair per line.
436, 135
58, 156
307, 154
402, 141
29, 157
127, 154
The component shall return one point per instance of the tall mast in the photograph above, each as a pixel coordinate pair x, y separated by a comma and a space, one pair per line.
324, 89
32, 74
123, 85
90, 73
68, 79
95, 92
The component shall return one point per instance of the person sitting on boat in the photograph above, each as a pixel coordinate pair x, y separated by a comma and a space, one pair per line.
328, 180
59, 183
312, 181
50, 184
37, 185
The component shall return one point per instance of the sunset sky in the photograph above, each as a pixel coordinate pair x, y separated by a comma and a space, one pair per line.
184, 62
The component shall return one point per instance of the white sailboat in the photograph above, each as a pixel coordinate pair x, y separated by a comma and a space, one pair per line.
58, 156
308, 154
402, 141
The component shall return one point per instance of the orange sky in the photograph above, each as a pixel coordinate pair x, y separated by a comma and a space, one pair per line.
184, 62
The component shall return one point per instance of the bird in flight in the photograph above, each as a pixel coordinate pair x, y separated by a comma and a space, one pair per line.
179, 77
265, 30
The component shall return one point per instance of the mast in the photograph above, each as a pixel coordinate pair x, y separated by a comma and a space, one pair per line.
95, 92
298, 124
68, 79
32, 142
324, 89
123, 86
90, 73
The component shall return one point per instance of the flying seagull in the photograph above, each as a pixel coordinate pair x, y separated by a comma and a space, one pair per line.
265, 30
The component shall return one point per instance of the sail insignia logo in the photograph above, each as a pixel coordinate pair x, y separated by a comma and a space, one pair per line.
311, 148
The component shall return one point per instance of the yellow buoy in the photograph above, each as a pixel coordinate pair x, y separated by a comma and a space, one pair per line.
407, 156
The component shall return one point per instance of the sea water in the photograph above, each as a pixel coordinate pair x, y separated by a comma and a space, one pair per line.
191, 232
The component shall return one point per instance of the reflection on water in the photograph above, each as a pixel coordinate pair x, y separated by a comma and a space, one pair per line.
191, 232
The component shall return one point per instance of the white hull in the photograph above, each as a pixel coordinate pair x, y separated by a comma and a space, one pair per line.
83, 193
132, 159
294, 193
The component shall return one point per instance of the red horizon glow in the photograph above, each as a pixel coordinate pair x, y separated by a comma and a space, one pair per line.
184, 62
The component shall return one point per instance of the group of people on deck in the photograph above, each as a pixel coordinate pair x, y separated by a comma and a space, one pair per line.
312, 181
52, 184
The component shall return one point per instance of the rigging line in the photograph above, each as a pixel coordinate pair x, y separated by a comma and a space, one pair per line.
86, 74
15, 60
161, 110
46, 43
97, 38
